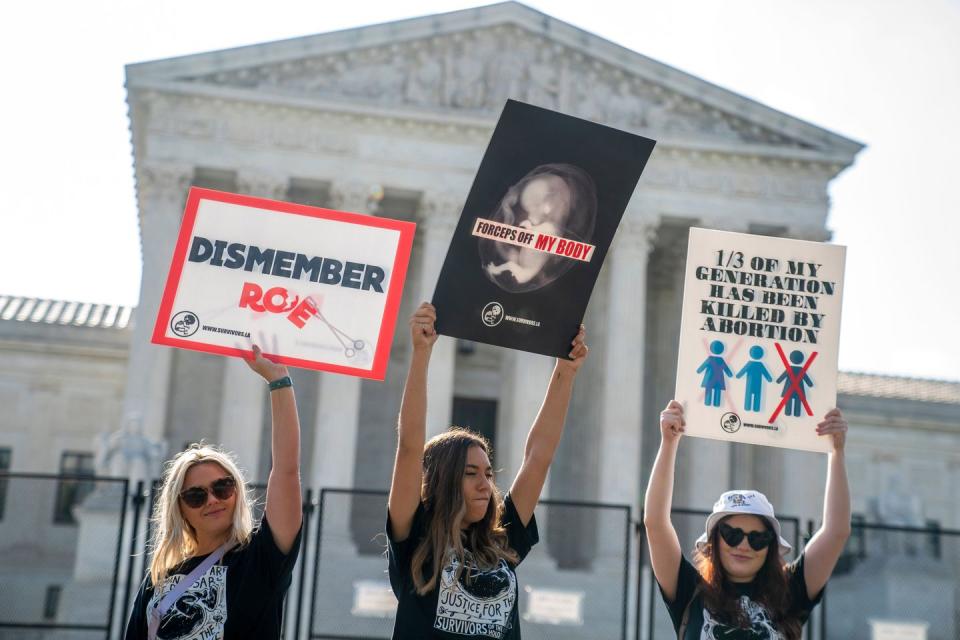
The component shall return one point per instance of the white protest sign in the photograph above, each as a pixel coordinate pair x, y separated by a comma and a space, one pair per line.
554, 606
373, 599
314, 288
759, 338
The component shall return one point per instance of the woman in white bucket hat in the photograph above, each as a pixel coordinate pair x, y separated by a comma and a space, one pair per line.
739, 585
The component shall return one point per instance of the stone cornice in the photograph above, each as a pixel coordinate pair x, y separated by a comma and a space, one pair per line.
450, 125
508, 14
45, 346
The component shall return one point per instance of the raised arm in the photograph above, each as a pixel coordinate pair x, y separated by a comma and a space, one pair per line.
544, 435
665, 552
284, 503
412, 426
827, 544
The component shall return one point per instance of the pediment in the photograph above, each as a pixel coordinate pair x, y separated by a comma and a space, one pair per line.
470, 62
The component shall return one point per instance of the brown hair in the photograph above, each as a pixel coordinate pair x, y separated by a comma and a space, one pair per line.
772, 588
444, 462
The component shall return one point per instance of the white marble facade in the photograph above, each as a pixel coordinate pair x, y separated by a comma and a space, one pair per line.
409, 107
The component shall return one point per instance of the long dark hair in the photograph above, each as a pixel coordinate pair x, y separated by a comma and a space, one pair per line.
771, 588
444, 462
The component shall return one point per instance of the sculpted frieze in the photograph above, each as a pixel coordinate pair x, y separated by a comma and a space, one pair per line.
476, 71
246, 124
742, 177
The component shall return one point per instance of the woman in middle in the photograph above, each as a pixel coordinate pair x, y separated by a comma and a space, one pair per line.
455, 542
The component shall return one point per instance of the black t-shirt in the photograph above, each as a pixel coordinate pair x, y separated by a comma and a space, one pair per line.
484, 608
702, 626
239, 597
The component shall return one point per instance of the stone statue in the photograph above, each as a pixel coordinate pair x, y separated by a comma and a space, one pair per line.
128, 452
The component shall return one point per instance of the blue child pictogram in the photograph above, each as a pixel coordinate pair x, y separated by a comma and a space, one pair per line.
755, 372
793, 387
714, 380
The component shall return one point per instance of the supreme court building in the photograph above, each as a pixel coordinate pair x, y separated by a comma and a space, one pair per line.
392, 120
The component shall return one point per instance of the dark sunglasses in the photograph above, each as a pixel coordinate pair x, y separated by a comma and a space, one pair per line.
757, 540
222, 489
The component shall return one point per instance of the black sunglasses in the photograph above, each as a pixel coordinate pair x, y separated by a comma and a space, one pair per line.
222, 489
757, 540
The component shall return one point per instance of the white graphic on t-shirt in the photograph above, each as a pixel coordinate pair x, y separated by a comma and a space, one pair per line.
480, 608
761, 627
201, 611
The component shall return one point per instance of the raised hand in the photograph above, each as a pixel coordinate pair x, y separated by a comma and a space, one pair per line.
267, 369
578, 353
422, 332
835, 426
672, 423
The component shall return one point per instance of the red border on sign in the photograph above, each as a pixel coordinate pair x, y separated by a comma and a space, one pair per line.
391, 308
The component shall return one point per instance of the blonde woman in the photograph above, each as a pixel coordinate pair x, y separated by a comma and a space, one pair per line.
455, 542
218, 576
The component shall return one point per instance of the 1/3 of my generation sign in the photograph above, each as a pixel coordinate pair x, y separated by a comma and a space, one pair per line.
759, 338
315, 288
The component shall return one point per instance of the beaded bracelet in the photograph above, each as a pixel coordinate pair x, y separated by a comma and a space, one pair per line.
280, 383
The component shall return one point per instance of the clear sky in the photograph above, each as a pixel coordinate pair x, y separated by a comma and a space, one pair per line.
883, 72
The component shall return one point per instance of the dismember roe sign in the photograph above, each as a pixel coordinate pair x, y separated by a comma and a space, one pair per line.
759, 338
314, 288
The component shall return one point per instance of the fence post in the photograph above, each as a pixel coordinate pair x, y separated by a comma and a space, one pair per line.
641, 539
626, 574
111, 607
823, 603
137, 499
316, 558
304, 542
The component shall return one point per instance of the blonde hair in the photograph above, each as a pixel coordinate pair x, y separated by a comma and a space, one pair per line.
174, 540
444, 462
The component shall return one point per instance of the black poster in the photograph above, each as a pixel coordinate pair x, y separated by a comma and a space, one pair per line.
535, 229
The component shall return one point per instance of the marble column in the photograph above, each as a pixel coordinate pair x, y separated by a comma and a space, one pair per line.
523, 384
623, 351
621, 406
333, 457
338, 396
441, 212
137, 448
244, 392
241, 415
161, 194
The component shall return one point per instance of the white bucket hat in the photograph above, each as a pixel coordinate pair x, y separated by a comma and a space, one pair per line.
738, 502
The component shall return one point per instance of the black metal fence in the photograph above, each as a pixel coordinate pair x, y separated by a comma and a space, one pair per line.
352, 600
65, 578
895, 582
60, 554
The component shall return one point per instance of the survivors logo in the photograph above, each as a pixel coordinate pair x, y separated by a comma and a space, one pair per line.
494, 313
730, 422
184, 324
